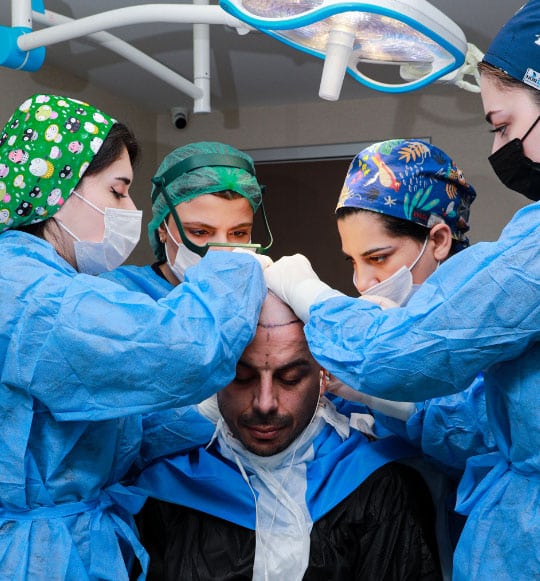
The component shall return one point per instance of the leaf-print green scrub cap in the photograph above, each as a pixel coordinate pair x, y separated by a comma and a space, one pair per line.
412, 180
45, 148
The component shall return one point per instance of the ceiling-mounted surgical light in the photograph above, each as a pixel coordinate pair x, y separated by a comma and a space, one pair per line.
411, 34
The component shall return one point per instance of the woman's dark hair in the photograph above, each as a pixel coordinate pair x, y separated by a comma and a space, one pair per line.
118, 137
506, 80
397, 227
111, 149
228, 195
394, 226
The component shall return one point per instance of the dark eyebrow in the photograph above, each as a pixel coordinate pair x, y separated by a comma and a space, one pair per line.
197, 225
210, 227
376, 249
301, 362
243, 225
244, 364
127, 181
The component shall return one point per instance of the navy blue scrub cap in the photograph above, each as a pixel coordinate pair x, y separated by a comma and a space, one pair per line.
516, 48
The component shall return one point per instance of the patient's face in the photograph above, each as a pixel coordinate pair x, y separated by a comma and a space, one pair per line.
276, 389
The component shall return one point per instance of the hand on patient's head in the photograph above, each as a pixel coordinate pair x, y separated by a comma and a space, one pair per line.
294, 281
262, 259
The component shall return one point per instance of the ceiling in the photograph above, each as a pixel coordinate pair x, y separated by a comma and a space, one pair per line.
251, 70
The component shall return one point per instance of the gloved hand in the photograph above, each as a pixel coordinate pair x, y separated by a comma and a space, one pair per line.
402, 410
263, 260
295, 282
383, 302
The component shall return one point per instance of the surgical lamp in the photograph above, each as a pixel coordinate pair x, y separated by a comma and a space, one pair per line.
412, 34
424, 43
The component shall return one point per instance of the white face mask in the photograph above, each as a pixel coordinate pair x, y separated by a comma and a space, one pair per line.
121, 235
399, 287
184, 257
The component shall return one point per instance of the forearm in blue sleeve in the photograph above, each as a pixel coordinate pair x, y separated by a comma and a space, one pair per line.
480, 307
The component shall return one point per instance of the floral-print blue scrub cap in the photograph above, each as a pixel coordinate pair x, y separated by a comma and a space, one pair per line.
516, 48
412, 180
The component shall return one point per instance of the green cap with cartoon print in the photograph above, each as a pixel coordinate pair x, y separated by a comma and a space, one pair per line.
45, 148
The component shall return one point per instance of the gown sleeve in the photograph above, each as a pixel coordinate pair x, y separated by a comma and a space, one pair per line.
448, 429
479, 308
88, 349
173, 431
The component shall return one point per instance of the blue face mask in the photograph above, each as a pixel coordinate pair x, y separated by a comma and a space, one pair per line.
399, 287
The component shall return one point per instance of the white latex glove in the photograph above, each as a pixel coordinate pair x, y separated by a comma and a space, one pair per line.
262, 259
383, 302
402, 410
295, 282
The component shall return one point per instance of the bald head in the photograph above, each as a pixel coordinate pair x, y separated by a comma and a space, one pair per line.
276, 313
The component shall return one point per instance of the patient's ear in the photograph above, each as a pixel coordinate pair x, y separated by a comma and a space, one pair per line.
324, 378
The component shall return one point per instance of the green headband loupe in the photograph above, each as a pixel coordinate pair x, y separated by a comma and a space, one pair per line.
204, 160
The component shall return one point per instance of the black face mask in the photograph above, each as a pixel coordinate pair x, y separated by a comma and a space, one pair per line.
515, 170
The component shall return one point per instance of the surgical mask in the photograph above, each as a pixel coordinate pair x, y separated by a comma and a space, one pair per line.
121, 235
515, 170
184, 257
399, 287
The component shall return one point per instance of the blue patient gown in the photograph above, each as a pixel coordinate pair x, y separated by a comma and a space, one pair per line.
480, 311
82, 359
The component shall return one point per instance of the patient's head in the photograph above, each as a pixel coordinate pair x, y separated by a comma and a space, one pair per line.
277, 385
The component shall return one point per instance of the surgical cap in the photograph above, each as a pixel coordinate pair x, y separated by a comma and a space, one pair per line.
45, 148
412, 180
516, 48
200, 181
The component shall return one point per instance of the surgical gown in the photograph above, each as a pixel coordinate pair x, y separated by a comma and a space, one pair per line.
447, 429
82, 359
480, 311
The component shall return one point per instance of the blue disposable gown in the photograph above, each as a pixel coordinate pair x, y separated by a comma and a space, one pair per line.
174, 430
479, 311
82, 359
448, 429
142, 279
